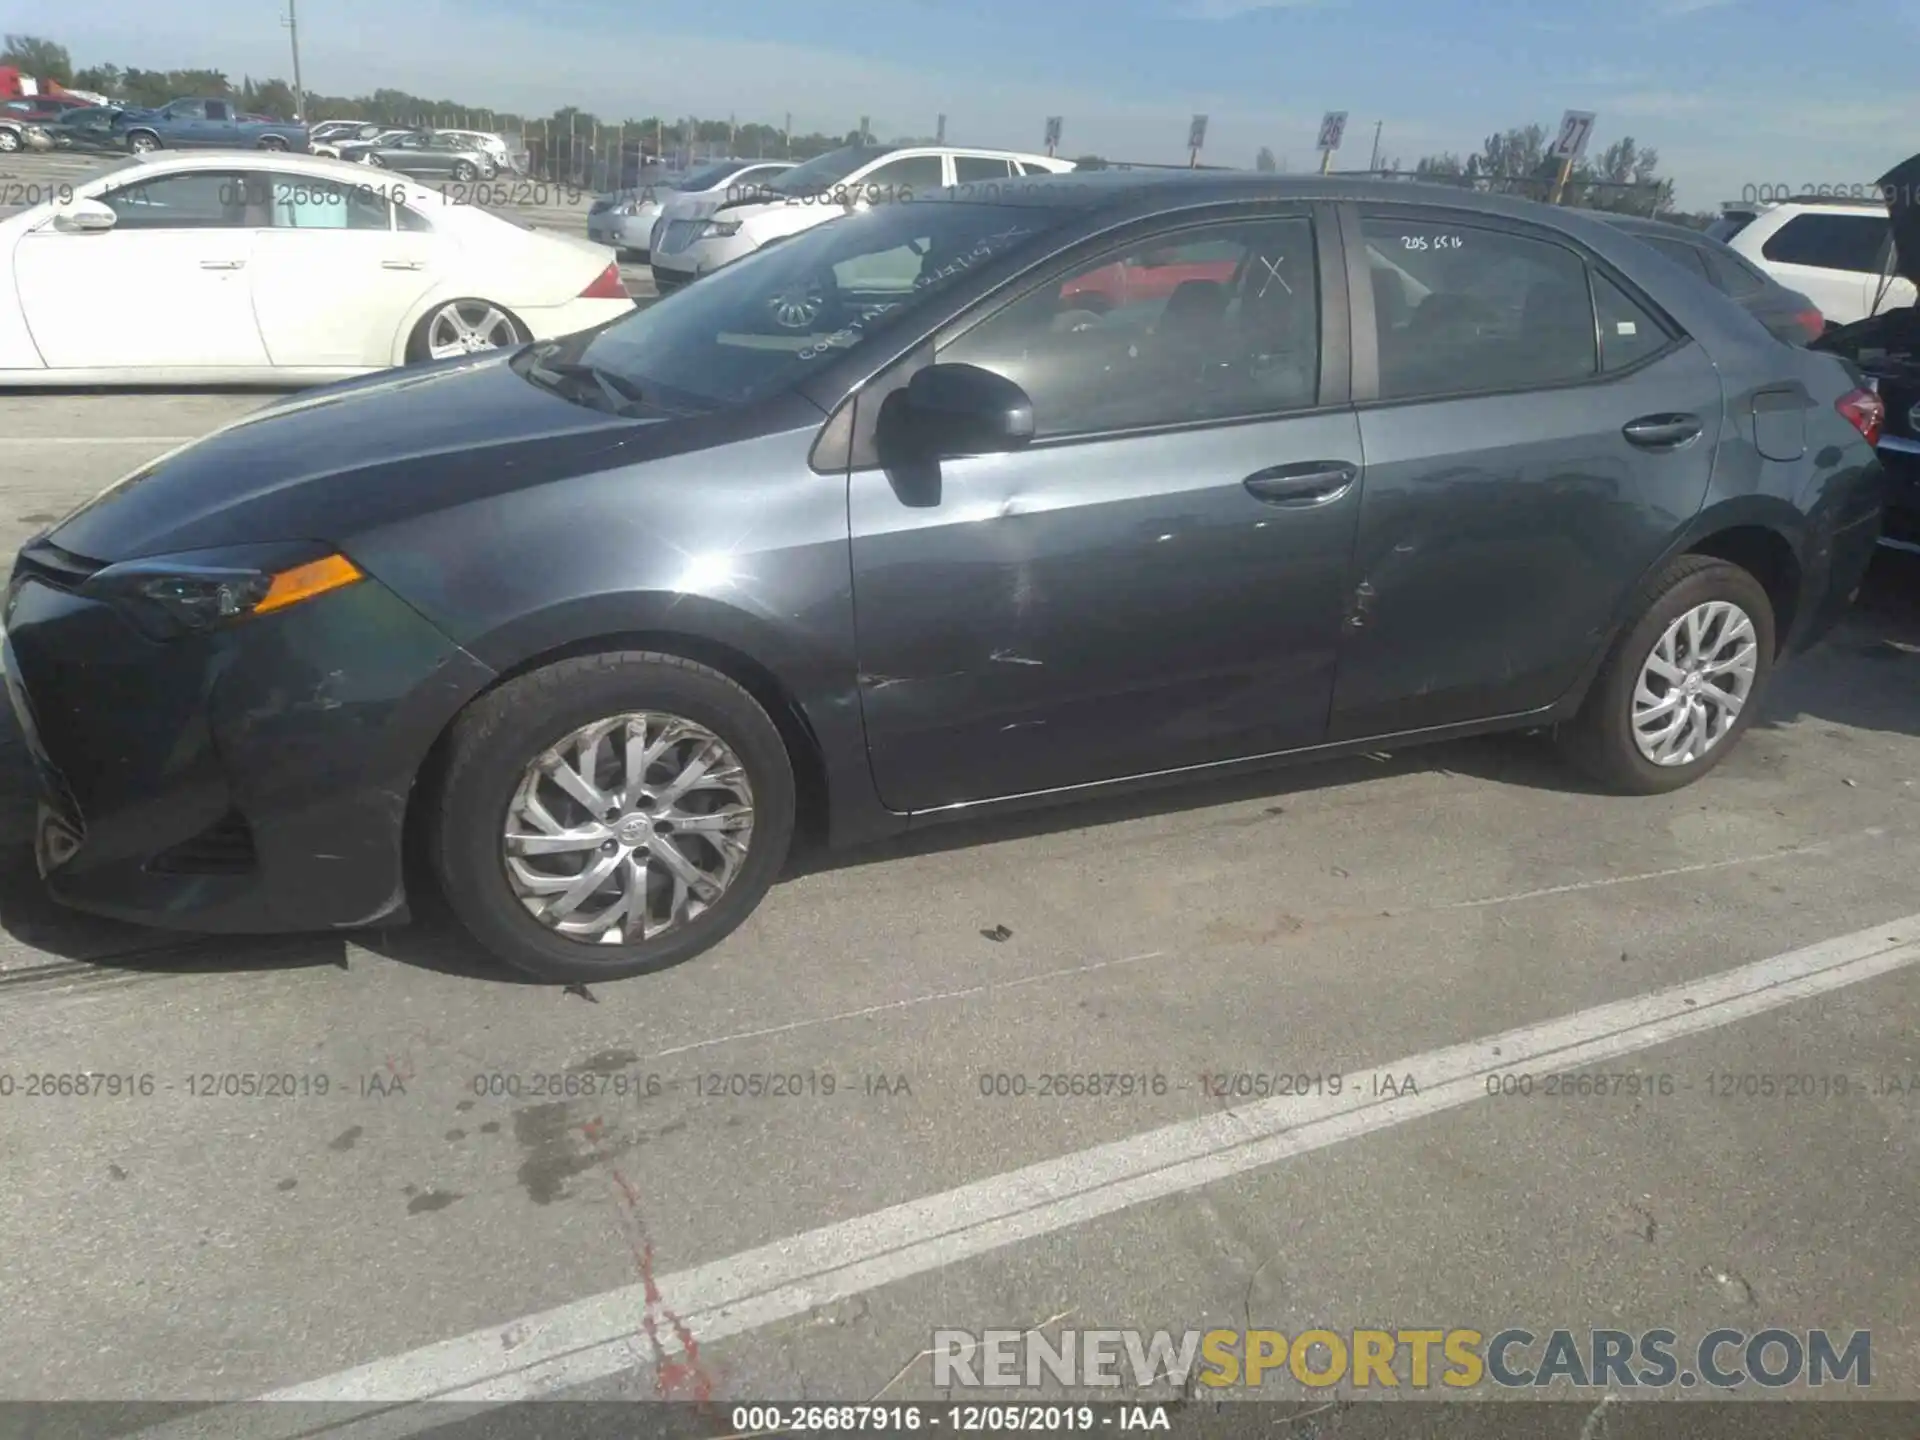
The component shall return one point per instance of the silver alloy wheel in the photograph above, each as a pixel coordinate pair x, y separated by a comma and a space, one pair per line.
628, 828
143, 144
467, 327
1694, 683
9, 141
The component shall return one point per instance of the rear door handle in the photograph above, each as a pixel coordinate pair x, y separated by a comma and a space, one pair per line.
1316, 482
1661, 432
222, 264
403, 264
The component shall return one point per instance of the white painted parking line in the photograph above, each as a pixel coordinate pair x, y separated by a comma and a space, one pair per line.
542, 1355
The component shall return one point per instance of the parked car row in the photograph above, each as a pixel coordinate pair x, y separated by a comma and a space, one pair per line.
198, 267
914, 512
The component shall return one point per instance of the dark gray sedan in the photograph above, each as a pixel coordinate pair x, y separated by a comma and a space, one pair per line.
1790, 315
965, 503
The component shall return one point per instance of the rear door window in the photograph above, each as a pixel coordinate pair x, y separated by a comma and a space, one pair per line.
971, 169
1463, 309
1829, 242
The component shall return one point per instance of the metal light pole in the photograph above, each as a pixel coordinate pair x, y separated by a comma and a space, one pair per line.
1374, 164
292, 22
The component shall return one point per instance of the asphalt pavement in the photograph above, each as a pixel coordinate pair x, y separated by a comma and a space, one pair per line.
775, 1171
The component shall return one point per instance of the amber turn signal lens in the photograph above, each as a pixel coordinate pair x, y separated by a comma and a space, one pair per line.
303, 582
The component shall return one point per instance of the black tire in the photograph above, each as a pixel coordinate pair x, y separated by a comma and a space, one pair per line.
1600, 739
499, 735
272, 142
463, 171
143, 142
9, 141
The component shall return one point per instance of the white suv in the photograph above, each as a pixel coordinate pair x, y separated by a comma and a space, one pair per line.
697, 234
1837, 252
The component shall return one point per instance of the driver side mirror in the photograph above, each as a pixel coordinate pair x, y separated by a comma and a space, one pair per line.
954, 410
84, 217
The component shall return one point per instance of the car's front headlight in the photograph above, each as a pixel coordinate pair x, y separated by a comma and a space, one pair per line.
719, 229
168, 597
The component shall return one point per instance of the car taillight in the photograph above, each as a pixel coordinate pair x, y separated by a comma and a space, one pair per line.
608, 287
1813, 322
1865, 411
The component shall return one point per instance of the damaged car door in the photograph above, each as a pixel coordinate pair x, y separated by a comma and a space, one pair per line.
1149, 577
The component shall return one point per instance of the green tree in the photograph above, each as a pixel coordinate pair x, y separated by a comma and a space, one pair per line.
101, 79
1264, 161
38, 57
1090, 162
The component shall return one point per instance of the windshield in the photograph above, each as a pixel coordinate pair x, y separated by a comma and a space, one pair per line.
822, 171
704, 178
756, 326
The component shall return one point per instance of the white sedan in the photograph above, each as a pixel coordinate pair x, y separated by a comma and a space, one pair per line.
228, 268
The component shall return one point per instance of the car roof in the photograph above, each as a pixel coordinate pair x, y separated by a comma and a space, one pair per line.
167, 161
1147, 190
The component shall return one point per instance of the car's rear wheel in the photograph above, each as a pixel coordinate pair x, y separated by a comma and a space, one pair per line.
272, 142
9, 141
1682, 685
464, 327
611, 814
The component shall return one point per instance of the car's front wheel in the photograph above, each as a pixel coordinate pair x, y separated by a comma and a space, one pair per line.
143, 142
1682, 685
464, 171
9, 141
611, 814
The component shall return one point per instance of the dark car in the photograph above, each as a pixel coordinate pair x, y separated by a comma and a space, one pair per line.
858, 534
87, 127
1790, 315
1886, 347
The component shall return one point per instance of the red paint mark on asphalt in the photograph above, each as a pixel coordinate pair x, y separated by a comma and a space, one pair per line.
686, 1377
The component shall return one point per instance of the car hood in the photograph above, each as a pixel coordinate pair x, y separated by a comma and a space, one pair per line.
1897, 189
335, 461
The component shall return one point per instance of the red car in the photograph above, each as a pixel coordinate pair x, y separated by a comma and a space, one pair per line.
1156, 276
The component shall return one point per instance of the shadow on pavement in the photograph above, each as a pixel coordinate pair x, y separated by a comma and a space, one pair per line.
1867, 674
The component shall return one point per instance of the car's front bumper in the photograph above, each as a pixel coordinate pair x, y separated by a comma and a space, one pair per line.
252, 779
672, 269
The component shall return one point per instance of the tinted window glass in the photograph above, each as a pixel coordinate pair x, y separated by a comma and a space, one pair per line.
198, 200
217, 110
1733, 274
304, 202
824, 171
969, 169
1681, 253
706, 177
1628, 332
759, 324
905, 178
1832, 242
1463, 309
1222, 322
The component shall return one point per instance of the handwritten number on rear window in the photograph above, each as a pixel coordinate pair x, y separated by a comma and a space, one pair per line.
1433, 242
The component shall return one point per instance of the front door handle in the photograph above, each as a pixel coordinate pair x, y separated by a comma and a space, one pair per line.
1661, 432
1317, 482
222, 264
403, 264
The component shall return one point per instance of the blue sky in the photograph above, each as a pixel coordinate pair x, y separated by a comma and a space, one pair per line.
1732, 93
